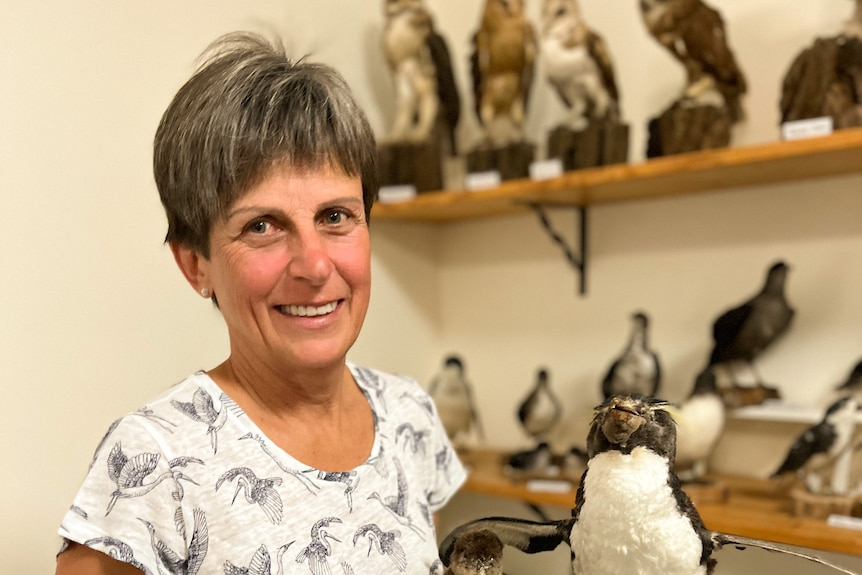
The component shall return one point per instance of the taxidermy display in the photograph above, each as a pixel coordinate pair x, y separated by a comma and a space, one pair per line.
701, 118
742, 333
853, 383
630, 513
637, 369
578, 65
502, 65
825, 79
541, 409
537, 460
422, 69
700, 421
820, 445
453, 395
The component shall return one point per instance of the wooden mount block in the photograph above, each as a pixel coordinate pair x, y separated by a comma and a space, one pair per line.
817, 506
511, 161
416, 164
599, 144
683, 128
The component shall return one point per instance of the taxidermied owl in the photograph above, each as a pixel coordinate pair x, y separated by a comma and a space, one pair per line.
578, 64
502, 64
694, 33
424, 80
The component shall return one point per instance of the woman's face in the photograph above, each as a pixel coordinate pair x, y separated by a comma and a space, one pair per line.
291, 268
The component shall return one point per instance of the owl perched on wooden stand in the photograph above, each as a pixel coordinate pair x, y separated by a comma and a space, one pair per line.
710, 104
579, 66
825, 79
427, 104
502, 65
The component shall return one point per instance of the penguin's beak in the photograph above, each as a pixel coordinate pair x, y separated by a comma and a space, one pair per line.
622, 420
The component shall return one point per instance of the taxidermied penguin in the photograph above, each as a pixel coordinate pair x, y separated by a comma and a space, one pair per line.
630, 514
578, 64
637, 370
743, 332
853, 383
699, 423
453, 396
536, 460
821, 444
541, 409
479, 552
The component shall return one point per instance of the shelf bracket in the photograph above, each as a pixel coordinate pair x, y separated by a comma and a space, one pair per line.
577, 261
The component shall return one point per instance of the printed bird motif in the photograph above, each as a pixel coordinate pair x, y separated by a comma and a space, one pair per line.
631, 514
319, 549
578, 64
742, 333
821, 444
419, 59
637, 370
452, 393
385, 543
541, 409
478, 552
414, 439
130, 474
169, 561
694, 34
350, 480
260, 564
259, 491
502, 64
700, 420
118, 550
202, 409
298, 475
397, 504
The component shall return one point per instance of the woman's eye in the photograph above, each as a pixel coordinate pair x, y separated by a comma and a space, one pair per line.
335, 217
258, 227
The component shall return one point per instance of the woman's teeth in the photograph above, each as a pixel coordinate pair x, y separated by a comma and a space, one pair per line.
308, 311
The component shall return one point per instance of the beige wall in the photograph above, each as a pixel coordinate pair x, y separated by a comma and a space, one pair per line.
96, 319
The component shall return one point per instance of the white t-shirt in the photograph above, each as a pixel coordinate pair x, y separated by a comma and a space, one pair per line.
189, 484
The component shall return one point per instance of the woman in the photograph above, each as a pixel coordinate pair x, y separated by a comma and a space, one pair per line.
286, 453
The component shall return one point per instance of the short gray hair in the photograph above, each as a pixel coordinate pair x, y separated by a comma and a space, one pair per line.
247, 108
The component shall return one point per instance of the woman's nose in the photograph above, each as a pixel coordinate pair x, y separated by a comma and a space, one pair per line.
310, 258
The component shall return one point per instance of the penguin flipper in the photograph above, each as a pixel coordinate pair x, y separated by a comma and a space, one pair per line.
722, 539
527, 536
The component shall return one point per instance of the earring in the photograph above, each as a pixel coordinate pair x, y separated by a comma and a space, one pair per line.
205, 292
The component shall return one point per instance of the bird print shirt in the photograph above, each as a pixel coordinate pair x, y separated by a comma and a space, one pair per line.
189, 484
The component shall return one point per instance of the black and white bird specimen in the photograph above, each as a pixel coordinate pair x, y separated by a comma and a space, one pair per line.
541, 409
637, 370
578, 64
502, 66
853, 383
694, 34
478, 552
742, 333
536, 460
418, 57
453, 395
821, 444
631, 514
700, 420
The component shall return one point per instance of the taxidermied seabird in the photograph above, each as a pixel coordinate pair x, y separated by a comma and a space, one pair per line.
630, 514
853, 382
533, 460
453, 396
821, 443
699, 423
541, 409
743, 332
478, 552
637, 370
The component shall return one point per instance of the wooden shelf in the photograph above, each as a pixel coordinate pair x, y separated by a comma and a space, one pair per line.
837, 154
754, 507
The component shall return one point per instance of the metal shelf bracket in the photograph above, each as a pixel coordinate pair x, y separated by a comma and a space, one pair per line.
578, 260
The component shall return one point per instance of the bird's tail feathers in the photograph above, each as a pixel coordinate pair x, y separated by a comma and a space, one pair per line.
722, 539
527, 536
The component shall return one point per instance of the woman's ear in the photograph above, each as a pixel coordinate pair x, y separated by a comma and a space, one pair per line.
195, 267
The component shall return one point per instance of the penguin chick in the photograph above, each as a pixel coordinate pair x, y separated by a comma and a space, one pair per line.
477, 552
637, 370
821, 444
541, 409
453, 396
700, 421
630, 514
